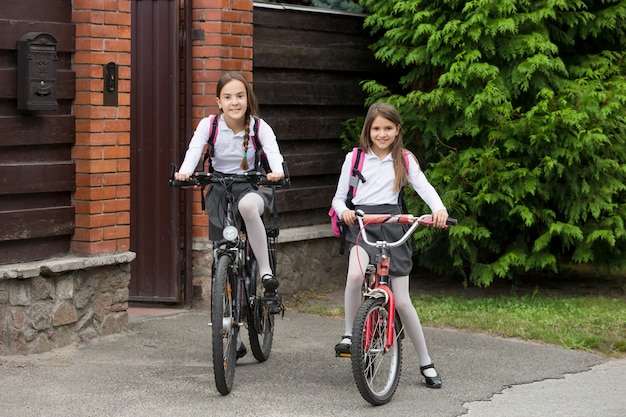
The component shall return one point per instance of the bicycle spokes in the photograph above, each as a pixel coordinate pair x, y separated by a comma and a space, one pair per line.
375, 364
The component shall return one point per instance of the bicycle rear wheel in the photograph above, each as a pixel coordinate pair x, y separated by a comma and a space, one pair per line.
375, 371
260, 321
224, 325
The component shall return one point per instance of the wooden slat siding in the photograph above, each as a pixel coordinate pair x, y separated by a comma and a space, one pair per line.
12, 30
321, 89
12, 251
36, 10
37, 174
66, 88
308, 66
25, 131
34, 201
28, 224
23, 155
304, 198
37, 178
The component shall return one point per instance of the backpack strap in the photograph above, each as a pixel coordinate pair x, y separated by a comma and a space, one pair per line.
260, 158
401, 202
211, 142
355, 177
209, 153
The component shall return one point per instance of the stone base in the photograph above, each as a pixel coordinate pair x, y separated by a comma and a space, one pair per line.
54, 303
308, 260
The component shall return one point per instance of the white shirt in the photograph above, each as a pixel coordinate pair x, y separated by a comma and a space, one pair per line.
229, 148
378, 186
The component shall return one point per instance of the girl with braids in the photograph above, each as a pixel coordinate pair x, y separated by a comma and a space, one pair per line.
234, 154
383, 175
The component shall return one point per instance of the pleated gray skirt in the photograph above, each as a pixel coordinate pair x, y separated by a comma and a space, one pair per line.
401, 257
216, 205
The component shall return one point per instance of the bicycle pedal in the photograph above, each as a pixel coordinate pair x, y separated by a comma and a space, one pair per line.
273, 302
343, 355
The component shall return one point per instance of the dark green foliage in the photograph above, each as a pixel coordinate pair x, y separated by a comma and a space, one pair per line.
520, 108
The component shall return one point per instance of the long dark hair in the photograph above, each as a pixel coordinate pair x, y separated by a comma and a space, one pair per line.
252, 109
389, 112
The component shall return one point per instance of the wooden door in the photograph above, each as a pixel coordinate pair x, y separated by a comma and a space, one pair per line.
155, 220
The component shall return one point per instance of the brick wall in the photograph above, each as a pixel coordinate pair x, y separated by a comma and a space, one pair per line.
226, 46
102, 150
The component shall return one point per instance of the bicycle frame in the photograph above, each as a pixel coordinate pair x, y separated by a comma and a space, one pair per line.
381, 283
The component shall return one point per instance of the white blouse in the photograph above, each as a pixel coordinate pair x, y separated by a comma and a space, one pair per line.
378, 186
229, 148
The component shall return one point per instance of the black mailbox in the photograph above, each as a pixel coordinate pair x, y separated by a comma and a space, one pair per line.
37, 72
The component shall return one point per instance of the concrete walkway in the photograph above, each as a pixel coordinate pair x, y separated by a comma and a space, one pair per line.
162, 367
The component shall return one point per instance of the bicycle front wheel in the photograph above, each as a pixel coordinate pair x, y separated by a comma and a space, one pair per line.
376, 372
224, 325
260, 322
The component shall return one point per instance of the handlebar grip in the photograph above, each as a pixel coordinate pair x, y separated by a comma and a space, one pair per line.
177, 183
452, 222
283, 183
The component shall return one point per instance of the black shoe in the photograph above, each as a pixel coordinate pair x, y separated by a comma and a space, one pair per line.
342, 350
269, 282
431, 381
241, 351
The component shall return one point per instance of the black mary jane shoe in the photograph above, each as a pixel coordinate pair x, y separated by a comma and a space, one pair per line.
431, 381
342, 350
269, 282
241, 351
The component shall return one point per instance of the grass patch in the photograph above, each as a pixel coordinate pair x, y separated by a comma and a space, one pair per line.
595, 323
592, 323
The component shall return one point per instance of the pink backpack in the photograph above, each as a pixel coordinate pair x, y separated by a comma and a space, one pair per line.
355, 177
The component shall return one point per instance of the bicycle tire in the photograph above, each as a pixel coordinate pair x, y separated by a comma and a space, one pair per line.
260, 321
223, 324
376, 372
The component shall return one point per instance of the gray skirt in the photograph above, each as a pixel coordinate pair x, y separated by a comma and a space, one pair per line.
216, 205
401, 257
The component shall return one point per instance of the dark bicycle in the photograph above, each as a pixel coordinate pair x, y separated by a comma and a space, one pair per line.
237, 295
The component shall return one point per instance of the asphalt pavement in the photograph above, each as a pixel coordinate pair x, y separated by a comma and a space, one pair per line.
162, 367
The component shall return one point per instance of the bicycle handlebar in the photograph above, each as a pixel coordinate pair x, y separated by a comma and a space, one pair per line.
251, 177
423, 220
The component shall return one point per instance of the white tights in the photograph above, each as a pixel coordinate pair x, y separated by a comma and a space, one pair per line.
251, 208
352, 299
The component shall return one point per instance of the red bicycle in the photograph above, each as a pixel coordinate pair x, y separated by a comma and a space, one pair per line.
376, 350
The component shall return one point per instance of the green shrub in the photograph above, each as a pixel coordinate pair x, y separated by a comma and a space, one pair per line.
518, 112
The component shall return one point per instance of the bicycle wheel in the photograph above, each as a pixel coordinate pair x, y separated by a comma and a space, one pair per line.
260, 321
224, 325
376, 372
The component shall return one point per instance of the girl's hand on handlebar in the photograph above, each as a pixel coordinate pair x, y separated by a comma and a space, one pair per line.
348, 217
439, 219
275, 176
179, 176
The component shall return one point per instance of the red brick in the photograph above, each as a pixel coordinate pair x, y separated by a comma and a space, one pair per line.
88, 207
116, 152
116, 205
98, 220
118, 178
85, 248
116, 232
88, 235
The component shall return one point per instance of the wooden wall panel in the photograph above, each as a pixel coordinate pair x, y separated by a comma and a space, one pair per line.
308, 66
37, 174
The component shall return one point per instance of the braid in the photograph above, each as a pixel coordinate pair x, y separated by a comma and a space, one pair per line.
246, 144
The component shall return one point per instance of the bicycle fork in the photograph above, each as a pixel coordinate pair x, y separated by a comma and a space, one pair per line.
383, 290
